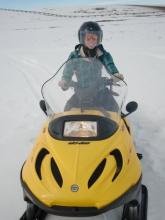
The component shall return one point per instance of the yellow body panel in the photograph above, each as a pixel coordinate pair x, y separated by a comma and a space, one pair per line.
77, 162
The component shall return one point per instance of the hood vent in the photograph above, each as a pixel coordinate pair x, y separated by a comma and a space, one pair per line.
97, 173
54, 168
119, 162
56, 173
43, 152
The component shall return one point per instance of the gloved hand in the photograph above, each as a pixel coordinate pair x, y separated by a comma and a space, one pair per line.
63, 84
117, 77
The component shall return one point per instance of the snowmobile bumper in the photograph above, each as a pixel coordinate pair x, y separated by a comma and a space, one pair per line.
133, 193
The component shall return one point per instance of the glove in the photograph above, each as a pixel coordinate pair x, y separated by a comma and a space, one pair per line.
117, 77
63, 84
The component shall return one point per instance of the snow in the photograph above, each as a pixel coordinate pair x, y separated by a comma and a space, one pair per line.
33, 46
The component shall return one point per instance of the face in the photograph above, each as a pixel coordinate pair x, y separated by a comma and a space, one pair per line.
90, 40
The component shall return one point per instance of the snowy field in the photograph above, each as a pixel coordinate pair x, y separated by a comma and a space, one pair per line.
32, 47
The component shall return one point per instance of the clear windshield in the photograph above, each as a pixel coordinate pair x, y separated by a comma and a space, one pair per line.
86, 86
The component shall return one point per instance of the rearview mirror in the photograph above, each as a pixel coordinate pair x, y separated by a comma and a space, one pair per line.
130, 107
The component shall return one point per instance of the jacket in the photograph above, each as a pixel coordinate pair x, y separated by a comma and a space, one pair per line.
105, 58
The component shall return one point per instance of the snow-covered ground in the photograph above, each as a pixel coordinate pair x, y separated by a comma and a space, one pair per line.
32, 47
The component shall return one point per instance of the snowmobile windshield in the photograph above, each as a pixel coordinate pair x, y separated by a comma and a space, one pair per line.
86, 85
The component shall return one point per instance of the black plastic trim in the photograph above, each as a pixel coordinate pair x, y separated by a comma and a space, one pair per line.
140, 156
56, 173
97, 173
43, 152
128, 128
144, 202
106, 127
119, 161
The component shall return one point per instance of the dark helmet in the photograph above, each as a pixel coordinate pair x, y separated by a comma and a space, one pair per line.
90, 27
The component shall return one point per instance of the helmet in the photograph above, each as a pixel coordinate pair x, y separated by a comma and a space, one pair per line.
92, 28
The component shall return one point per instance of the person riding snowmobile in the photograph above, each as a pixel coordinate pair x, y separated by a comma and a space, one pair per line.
90, 37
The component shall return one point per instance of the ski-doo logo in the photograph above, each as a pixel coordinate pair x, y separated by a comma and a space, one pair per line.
79, 142
74, 188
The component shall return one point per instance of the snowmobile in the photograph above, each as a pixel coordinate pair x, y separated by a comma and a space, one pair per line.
84, 162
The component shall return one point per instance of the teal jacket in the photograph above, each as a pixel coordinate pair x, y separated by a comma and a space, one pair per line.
105, 58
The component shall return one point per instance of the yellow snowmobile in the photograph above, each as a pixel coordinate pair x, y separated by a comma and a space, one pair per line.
84, 162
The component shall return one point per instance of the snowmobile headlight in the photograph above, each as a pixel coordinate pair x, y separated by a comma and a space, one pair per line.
80, 129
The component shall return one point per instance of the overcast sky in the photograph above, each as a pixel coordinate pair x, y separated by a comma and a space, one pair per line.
24, 4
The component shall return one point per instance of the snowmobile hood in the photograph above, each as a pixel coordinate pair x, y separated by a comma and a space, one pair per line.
69, 172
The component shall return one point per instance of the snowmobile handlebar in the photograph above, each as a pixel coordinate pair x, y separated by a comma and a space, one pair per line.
103, 81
